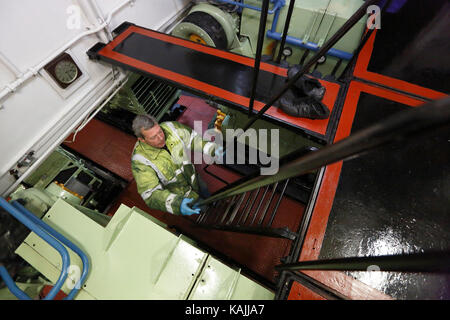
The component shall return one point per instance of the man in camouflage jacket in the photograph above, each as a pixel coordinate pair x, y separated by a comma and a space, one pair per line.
165, 177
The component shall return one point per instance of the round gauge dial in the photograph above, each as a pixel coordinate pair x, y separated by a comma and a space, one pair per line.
287, 52
66, 71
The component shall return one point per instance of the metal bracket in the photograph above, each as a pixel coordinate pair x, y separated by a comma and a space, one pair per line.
27, 160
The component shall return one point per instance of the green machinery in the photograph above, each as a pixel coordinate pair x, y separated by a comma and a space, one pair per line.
134, 256
64, 176
312, 23
142, 95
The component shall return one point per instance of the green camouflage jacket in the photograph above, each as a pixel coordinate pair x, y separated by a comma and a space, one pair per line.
163, 179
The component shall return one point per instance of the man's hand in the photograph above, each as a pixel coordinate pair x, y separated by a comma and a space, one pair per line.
186, 210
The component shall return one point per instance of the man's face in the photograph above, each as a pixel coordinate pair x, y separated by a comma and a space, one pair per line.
154, 136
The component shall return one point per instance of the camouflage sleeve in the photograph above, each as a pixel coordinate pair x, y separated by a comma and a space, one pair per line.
194, 141
153, 192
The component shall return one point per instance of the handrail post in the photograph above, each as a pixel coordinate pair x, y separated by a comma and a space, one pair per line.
261, 35
415, 262
286, 29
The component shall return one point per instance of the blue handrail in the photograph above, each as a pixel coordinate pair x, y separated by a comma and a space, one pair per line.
278, 4
310, 45
65, 241
12, 285
46, 237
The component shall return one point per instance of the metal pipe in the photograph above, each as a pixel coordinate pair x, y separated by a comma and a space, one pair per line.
263, 214
416, 262
228, 209
11, 66
101, 18
309, 45
251, 206
259, 205
236, 209
278, 203
204, 216
47, 238
276, 16
304, 56
261, 33
218, 206
62, 239
322, 51
245, 207
285, 31
399, 126
85, 122
15, 290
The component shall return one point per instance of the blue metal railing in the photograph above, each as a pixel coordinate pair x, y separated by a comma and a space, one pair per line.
309, 45
38, 227
65, 241
15, 290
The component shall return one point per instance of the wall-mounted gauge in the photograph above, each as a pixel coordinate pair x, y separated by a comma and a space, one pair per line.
63, 70
287, 52
322, 59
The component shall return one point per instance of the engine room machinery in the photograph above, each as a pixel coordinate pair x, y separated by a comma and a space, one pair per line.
233, 26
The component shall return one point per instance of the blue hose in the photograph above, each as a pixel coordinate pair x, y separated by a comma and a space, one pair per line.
65, 241
310, 45
46, 237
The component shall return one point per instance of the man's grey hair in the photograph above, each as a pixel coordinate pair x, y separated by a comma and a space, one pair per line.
143, 121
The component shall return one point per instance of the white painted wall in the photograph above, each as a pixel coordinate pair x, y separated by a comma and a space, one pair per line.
36, 116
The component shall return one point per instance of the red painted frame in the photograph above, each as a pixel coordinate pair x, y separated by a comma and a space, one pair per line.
318, 126
361, 72
339, 281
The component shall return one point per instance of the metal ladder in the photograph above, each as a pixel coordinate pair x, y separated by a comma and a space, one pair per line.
252, 211
249, 212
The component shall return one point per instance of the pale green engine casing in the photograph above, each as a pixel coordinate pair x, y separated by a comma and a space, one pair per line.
135, 256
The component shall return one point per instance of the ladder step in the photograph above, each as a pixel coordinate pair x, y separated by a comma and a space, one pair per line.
233, 213
263, 215
236, 208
